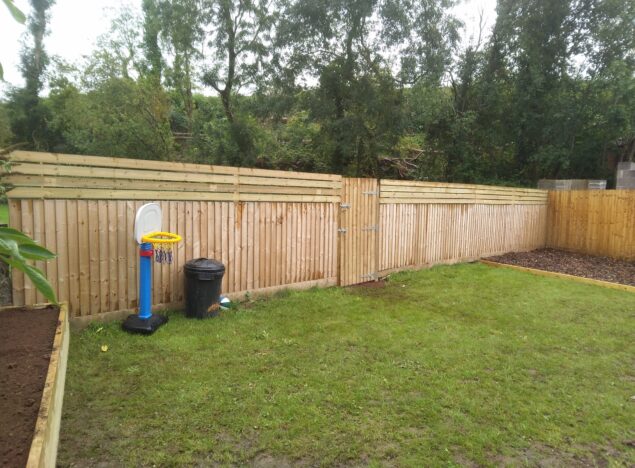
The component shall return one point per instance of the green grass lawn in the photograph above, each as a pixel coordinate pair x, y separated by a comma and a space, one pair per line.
4, 213
448, 366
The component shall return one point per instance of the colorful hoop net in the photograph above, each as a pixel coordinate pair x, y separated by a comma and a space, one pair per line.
162, 245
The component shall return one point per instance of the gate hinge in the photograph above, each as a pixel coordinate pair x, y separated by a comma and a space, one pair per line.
342, 230
345, 205
373, 227
370, 193
370, 276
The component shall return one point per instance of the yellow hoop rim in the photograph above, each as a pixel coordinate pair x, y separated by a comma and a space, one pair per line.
164, 238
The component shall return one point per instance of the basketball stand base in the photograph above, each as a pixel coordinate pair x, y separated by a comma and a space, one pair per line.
134, 324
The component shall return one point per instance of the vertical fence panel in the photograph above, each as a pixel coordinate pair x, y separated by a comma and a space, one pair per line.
428, 223
40, 234
598, 222
71, 242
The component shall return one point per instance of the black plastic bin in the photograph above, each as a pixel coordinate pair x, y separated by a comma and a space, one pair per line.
203, 277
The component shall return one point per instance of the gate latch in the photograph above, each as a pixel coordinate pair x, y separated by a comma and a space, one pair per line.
345, 205
342, 230
373, 227
370, 193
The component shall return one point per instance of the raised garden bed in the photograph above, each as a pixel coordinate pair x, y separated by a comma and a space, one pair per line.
33, 355
602, 269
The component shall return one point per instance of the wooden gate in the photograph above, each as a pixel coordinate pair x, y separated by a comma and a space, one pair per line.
358, 231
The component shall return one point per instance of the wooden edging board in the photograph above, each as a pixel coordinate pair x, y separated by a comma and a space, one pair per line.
43, 452
580, 279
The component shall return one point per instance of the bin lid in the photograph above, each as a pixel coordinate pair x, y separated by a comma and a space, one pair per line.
205, 264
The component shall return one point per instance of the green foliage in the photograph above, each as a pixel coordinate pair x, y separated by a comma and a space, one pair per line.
362, 87
6, 135
151, 48
16, 249
118, 53
15, 11
18, 16
294, 144
4, 213
28, 115
120, 117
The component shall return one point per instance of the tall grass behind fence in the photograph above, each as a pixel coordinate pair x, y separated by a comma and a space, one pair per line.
425, 223
598, 222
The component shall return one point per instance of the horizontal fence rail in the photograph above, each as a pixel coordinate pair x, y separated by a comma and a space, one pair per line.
413, 192
597, 222
56, 176
271, 229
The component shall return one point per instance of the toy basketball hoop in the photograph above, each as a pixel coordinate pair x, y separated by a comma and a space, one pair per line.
152, 242
162, 245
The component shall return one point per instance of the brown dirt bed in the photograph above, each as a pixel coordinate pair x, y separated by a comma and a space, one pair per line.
26, 340
571, 263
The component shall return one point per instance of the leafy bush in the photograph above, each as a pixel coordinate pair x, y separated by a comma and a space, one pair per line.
16, 249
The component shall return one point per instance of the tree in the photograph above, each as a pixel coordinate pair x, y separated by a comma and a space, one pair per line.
151, 30
182, 34
118, 53
118, 117
555, 55
28, 116
349, 47
6, 135
237, 38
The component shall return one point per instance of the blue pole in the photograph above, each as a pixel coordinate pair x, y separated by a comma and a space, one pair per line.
145, 280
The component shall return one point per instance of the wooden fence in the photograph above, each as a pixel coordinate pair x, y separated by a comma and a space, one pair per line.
598, 222
271, 229
425, 223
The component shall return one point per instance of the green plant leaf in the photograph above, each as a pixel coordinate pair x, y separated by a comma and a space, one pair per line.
15, 248
1, 73
35, 252
15, 11
10, 247
13, 234
40, 282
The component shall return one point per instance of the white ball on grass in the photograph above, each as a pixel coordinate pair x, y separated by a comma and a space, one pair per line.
225, 303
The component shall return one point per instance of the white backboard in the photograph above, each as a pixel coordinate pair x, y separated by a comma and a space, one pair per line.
147, 220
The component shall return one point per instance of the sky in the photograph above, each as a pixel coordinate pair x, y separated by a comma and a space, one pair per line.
76, 24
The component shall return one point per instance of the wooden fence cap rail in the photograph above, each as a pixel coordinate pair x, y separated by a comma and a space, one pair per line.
107, 161
416, 183
154, 195
134, 175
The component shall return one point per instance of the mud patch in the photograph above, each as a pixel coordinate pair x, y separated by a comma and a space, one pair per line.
545, 456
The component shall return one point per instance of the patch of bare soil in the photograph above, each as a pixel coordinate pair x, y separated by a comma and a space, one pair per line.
26, 339
571, 263
5, 285
379, 290
369, 285
540, 455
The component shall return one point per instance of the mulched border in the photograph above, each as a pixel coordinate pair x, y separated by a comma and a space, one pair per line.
572, 263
